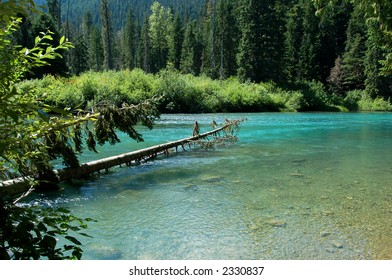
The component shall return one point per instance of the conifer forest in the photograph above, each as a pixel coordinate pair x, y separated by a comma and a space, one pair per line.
342, 46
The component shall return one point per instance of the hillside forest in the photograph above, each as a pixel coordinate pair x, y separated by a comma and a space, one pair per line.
73, 74
292, 44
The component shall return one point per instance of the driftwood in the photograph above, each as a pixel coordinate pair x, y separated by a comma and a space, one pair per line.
22, 185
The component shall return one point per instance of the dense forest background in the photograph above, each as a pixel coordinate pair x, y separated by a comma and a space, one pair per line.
282, 41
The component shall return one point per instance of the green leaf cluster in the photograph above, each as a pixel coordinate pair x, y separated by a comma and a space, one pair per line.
33, 133
32, 233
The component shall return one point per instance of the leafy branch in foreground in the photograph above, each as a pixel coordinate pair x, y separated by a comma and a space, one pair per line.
31, 137
33, 233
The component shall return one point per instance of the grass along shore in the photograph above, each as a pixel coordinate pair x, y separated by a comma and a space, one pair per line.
190, 94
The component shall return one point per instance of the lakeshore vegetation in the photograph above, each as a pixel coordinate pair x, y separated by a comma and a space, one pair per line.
298, 55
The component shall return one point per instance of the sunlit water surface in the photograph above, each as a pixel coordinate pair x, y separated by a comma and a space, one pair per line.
296, 186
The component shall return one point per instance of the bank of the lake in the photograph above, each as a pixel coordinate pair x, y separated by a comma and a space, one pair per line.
296, 186
189, 94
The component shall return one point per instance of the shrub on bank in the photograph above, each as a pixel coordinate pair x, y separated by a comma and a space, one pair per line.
189, 94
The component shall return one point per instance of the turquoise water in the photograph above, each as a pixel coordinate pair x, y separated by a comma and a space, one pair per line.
296, 186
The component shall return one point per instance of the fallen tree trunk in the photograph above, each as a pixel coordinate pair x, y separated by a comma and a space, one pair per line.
21, 185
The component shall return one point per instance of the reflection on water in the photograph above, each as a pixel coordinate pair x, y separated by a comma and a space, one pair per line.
296, 186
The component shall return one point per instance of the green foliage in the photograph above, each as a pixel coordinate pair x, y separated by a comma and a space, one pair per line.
316, 98
32, 233
161, 35
182, 93
107, 35
360, 100
32, 134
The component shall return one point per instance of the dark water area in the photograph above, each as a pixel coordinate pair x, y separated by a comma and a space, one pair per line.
296, 186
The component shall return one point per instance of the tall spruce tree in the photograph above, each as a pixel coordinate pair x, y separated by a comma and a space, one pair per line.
54, 9
353, 66
249, 24
332, 27
129, 48
107, 36
87, 23
144, 48
96, 54
292, 43
209, 39
374, 82
190, 60
310, 44
261, 42
79, 56
227, 39
176, 43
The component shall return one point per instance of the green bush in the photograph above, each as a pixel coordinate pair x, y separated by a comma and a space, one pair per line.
190, 94
360, 100
289, 101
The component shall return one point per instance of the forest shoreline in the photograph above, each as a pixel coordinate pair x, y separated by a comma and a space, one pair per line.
186, 93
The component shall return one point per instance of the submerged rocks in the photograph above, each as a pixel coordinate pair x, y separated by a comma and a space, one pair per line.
276, 223
265, 224
212, 179
337, 244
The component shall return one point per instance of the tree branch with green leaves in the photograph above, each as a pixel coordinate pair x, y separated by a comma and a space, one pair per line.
33, 134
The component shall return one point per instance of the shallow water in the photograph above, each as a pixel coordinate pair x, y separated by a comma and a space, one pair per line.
296, 186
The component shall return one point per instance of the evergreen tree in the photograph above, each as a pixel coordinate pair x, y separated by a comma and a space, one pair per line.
333, 24
54, 9
261, 41
129, 49
176, 43
189, 55
250, 35
107, 36
292, 43
87, 23
96, 54
375, 84
353, 67
227, 39
144, 48
310, 43
209, 38
79, 56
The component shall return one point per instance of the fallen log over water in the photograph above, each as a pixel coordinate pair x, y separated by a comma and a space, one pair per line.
22, 185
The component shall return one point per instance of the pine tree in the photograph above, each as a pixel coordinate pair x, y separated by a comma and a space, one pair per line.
129, 49
250, 35
107, 36
292, 44
189, 56
261, 40
96, 54
227, 39
209, 27
333, 24
87, 23
144, 48
310, 43
176, 42
353, 67
373, 56
79, 56
54, 9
